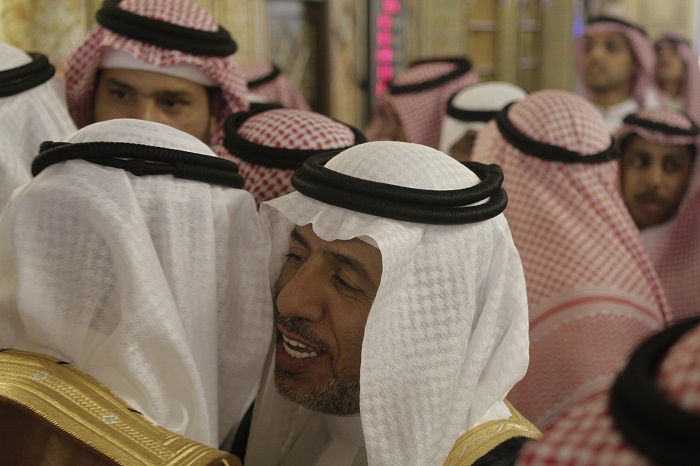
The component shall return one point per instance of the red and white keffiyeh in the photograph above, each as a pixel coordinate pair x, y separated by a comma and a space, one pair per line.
592, 290
82, 65
421, 112
690, 86
586, 434
676, 253
644, 90
284, 128
277, 89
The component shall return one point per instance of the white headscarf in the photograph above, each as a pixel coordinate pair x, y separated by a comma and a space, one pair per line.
156, 286
480, 97
26, 120
446, 337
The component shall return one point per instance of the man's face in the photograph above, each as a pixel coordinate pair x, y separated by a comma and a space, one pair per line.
462, 149
654, 180
669, 65
144, 95
324, 295
608, 62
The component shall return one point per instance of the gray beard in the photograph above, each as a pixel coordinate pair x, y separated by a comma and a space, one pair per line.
336, 396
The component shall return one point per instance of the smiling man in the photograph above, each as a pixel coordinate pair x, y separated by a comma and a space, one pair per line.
390, 348
165, 61
616, 64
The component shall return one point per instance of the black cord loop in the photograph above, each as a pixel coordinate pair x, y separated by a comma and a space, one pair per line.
264, 79
462, 67
143, 160
164, 34
610, 19
25, 77
635, 120
449, 207
468, 115
545, 151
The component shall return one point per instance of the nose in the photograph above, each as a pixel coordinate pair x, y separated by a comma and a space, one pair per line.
654, 175
148, 110
302, 294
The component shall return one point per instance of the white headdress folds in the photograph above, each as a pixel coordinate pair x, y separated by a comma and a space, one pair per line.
446, 336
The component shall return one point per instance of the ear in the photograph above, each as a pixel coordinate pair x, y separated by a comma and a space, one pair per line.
215, 105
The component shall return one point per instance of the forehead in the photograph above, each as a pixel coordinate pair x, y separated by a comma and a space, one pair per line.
148, 81
638, 143
607, 37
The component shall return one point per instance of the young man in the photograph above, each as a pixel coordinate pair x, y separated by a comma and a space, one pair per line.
659, 182
468, 111
401, 314
616, 64
163, 60
677, 74
30, 113
133, 256
592, 290
412, 107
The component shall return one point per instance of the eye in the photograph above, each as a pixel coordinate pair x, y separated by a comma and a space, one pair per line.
612, 46
118, 94
638, 161
344, 285
671, 165
173, 104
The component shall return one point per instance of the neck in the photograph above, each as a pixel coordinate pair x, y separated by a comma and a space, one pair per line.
671, 87
609, 98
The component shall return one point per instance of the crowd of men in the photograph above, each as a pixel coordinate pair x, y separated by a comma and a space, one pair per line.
197, 268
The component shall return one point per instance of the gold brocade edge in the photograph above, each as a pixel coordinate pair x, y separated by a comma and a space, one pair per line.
477, 442
79, 405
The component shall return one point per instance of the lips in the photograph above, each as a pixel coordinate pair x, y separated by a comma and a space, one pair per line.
649, 202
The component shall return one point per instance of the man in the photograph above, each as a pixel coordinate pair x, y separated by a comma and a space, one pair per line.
30, 113
268, 145
267, 84
468, 111
650, 417
677, 73
592, 290
163, 60
401, 316
412, 107
133, 256
659, 180
616, 64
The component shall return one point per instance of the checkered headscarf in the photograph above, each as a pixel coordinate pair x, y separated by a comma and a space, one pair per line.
592, 290
644, 90
676, 255
267, 81
82, 65
421, 110
690, 87
588, 435
281, 136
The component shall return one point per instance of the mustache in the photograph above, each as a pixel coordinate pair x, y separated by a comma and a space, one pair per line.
300, 327
649, 196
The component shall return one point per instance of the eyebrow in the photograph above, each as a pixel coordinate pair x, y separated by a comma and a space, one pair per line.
167, 93
336, 256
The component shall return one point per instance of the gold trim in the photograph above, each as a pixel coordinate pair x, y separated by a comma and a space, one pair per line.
483, 438
79, 405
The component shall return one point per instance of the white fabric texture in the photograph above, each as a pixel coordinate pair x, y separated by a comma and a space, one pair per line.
26, 120
447, 334
155, 286
491, 96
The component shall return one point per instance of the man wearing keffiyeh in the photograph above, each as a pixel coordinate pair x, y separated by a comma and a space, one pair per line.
160, 60
401, 314
677, 73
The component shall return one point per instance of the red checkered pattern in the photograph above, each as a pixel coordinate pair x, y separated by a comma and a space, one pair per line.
287, 129
586, 436
421, 112
592, 291
691, 80
281, 89
676, 256
82, 64
643, 52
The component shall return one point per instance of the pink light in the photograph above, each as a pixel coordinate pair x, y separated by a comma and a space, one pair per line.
385, 55
391, 6
384, 21
385, 72
384, 38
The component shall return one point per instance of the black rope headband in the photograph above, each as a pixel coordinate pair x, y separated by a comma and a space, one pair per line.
545, 151
647, 419
164, 34
609, 19
264, 79
468, 115
142, 160
25, 77
274, 157
635, 120
402, 203
462, 67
